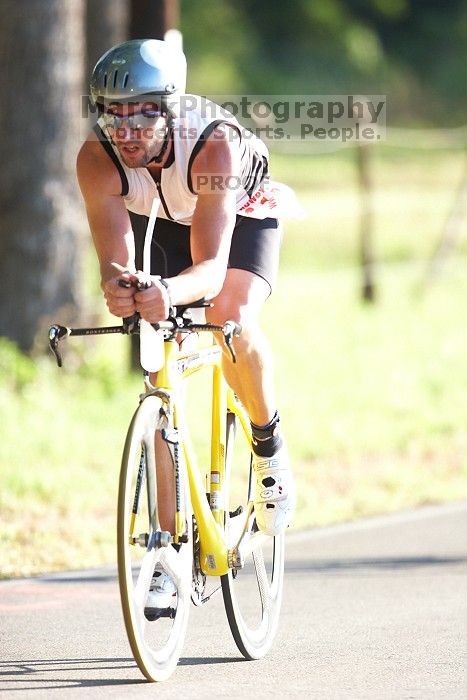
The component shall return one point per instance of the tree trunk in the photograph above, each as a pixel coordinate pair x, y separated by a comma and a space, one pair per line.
367, 257
41, 51
151, 20
106, 25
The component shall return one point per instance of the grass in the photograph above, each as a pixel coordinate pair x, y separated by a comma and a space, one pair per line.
412, 196
375, 407
373, 397
64, 433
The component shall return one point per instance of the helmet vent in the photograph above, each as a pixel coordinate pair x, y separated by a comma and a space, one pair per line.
137, 68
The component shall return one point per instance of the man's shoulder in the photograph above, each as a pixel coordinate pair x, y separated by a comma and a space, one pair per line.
94, 167
200, 116
200, 109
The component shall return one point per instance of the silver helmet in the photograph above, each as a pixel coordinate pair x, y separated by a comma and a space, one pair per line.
138, 69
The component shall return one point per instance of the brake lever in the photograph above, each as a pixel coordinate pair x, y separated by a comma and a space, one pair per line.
56, 333
230, 330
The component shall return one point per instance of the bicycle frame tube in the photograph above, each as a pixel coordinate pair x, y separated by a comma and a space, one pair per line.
218, 432
210, 518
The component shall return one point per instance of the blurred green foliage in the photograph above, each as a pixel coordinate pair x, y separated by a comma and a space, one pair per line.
17, 370
414, 51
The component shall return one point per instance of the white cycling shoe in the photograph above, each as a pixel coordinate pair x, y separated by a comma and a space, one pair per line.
162, 596
275, 494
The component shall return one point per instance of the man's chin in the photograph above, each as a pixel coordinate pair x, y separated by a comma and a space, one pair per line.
137, 158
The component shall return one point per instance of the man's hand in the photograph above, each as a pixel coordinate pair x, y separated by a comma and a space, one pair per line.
131, 292
153, 304
120, 300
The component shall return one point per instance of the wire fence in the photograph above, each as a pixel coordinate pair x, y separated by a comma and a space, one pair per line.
450, 224
393, 137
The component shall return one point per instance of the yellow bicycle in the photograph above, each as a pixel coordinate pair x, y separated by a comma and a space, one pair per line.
215, 533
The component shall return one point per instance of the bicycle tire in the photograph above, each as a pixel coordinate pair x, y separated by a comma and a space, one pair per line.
253, 594
157, 644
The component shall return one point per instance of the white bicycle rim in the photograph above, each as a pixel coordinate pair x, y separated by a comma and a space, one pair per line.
252, 595
157, 644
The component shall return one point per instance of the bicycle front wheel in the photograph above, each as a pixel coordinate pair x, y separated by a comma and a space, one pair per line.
252, 594
156, 644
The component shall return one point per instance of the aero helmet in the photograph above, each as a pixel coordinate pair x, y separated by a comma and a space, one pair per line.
137, 69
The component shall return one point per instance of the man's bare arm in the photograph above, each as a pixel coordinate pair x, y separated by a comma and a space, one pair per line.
107, 215
109, 222
213, 220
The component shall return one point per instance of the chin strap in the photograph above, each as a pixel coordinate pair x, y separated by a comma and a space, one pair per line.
168, 135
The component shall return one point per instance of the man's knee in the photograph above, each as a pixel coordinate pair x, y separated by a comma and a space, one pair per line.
224, 310
241, 299
230, 310
251, 333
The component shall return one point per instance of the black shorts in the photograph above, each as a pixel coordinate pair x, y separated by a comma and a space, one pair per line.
255, 247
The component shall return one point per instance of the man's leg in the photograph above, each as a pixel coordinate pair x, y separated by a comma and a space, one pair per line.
251, 377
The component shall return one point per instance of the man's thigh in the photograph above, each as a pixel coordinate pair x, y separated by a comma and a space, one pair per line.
254, 248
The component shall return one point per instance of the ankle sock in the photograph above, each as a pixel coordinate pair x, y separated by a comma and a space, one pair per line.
266, 439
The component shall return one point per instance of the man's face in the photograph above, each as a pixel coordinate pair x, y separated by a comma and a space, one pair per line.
137, 129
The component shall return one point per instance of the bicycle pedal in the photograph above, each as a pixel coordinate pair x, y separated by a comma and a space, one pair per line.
237, 511
152, 614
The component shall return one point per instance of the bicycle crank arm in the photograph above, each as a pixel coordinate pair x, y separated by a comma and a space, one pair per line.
247, 544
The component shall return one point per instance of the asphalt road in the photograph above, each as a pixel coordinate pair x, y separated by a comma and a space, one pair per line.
376, 609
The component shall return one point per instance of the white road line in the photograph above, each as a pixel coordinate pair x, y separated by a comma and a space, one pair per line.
391, 519
400, 517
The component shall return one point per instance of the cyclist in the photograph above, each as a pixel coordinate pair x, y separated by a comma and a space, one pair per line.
215, 234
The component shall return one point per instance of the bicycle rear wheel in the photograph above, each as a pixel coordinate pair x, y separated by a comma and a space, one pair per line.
157, 644
253, 594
